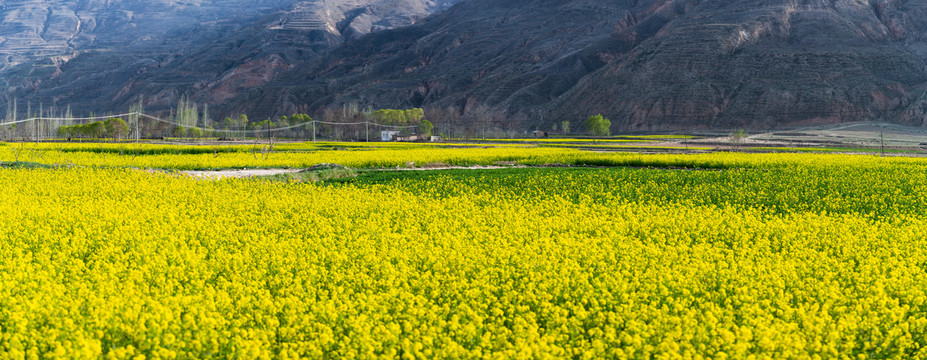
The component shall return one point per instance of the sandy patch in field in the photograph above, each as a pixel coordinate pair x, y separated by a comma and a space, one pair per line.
245, 173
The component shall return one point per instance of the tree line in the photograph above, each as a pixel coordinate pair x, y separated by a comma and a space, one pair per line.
189, 120
112, 128
117, 128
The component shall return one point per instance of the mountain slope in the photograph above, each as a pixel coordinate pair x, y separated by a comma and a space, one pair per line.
210, 52
648, 65
519, 64
36, 29
478, 50
759, 64
101, 41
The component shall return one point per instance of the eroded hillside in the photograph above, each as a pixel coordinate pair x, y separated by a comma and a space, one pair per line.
646, 64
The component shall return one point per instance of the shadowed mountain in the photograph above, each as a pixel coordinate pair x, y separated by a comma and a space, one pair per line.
211, 52
648, 65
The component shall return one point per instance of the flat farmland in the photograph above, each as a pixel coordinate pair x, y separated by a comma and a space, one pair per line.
108, 250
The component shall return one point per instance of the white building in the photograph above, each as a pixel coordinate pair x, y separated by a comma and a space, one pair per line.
388, 135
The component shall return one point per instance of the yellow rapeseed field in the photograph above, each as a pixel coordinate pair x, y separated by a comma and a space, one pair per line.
384, 155
739, 256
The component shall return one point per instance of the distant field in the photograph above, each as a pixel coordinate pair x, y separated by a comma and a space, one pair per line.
552, 253
391, 155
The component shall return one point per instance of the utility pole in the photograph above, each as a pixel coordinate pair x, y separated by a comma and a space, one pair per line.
367, 125
137, 133
882, 140
313, 131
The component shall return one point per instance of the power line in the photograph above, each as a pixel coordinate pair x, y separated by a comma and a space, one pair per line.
69, 119
155, 118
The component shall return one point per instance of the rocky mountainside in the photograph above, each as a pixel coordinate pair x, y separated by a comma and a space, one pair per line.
761, 64
646, 64
39, 29
104, 54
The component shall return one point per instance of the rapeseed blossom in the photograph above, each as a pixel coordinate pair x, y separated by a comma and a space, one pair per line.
752, 256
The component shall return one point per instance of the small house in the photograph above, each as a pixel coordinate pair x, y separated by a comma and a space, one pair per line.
389, 135
408, 138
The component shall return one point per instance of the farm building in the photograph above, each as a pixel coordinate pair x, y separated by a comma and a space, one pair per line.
388, 135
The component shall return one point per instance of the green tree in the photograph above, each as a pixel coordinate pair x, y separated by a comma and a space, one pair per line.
116, 128
415, 115
598, 125
66, 131
565, 127
398, 117
380, 116
738, 137
195, 133
180, 131
262, 127
386, 116
227, 124
94, 129
426, 127
242, 122
78, 131
299, 119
